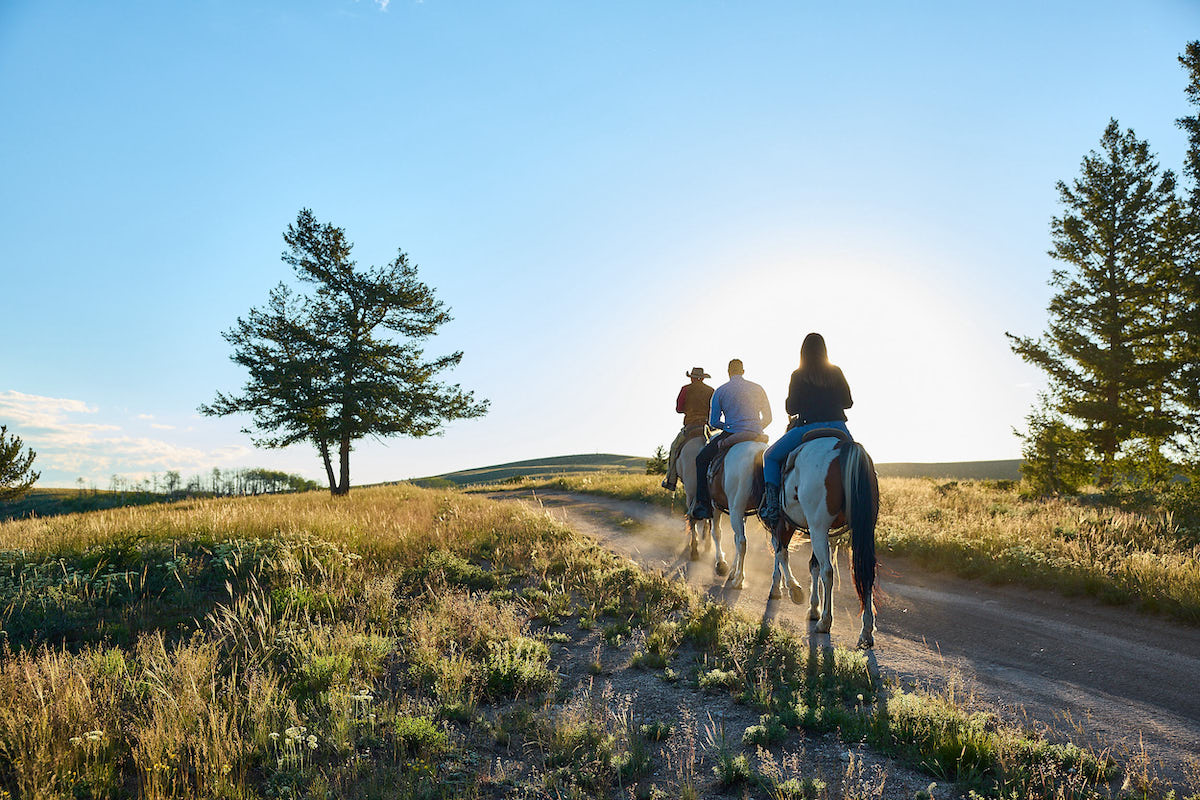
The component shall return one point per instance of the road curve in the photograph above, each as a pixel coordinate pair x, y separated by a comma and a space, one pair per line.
1128, 682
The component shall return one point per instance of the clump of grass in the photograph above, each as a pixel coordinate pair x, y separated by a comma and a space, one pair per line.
419, 736
769, 731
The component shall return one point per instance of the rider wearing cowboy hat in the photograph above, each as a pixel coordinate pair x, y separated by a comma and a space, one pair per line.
693, 402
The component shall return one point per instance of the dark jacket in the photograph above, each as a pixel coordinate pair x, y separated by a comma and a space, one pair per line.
818, 403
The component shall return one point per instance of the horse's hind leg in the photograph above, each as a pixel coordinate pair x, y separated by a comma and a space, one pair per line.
814, 569
820, 546
777, 575
722, 566
737, 521
695, 543
783, 558
782, 538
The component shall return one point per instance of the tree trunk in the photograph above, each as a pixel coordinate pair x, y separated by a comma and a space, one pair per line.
324, 448
344, 467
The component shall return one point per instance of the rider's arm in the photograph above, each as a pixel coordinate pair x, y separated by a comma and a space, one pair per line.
792, 404
714, 410
679, 401
765, 410
847, 400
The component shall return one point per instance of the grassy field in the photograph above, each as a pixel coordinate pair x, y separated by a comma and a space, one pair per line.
988, 530
412, 643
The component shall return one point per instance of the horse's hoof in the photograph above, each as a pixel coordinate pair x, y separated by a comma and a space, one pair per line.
865, 642
736, 583
775, 594
823, 625
813, 613
722, 567
797, 594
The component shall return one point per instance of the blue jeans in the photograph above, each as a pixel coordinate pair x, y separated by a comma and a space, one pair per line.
777, 453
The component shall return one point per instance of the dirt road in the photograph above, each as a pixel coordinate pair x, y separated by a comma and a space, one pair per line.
1065, 666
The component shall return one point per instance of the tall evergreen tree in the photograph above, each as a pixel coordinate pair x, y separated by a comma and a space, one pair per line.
328, 367
1183, 237
1104, 347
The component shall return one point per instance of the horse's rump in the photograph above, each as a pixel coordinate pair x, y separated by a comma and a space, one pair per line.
716, 475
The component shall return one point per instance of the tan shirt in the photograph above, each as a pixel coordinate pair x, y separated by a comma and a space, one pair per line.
693, 402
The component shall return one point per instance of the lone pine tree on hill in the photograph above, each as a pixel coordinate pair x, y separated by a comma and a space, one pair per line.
345, 361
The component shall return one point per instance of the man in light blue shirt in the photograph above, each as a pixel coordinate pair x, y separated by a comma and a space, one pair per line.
739, 406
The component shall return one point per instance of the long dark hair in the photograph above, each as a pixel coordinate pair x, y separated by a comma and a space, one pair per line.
814, 362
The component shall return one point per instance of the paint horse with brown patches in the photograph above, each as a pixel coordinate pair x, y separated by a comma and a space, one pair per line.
830, 488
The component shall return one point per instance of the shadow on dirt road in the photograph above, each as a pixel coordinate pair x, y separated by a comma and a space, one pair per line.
1109, 676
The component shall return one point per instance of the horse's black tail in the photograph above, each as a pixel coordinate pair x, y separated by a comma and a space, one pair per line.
862, 512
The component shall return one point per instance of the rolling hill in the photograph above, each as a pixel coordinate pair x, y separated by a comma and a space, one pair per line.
608, 462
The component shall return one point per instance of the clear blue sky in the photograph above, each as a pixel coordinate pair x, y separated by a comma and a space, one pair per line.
606, 194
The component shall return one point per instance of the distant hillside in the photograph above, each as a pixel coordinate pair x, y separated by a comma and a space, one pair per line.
51, 502
607, 462
955, 470
539, 468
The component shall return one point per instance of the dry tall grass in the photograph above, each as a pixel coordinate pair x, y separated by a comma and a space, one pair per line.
351, 647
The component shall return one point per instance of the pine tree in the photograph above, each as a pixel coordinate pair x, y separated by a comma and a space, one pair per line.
327, 367
16, 468
1183, 236
1105, 347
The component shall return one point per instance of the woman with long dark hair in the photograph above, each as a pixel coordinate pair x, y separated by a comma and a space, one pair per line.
817, 398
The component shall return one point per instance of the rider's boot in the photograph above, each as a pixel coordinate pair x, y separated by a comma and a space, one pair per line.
701, 510
768, 509
668, 484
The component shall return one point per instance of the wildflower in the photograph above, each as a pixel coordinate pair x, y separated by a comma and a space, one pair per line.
76, 740
860, 698
274, 736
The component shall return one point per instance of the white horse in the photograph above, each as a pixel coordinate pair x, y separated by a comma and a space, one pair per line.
742, 462
687, 473
829, 486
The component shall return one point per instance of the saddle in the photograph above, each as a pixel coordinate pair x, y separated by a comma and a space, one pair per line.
823, 433
716, 472
695, 432
835, 490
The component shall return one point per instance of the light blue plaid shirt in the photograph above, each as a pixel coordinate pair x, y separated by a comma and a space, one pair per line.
743, 404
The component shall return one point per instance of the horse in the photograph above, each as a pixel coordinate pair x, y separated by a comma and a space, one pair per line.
829, 487
743, 463
687, 474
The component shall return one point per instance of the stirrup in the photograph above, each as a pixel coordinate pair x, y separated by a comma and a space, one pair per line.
769, 508
700, 511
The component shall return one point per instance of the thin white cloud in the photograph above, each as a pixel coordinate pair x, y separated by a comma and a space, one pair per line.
48, 425
145, 416
383, 4
35, 411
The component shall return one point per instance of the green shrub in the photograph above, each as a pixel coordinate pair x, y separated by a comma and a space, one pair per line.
419, 736
769, 730
516, 667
